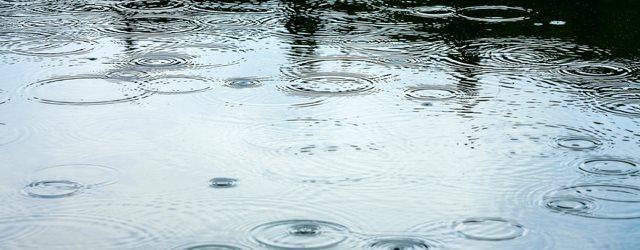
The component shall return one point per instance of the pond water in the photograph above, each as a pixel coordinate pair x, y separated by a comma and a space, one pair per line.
342, 124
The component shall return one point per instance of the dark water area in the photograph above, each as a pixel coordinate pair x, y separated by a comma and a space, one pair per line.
299, 124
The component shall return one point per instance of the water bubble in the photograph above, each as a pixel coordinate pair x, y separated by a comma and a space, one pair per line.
489, 229
85, 90
51, 189
300, 234
399, 243
609, 166
223, 182
578, 142
177, 85
494, 14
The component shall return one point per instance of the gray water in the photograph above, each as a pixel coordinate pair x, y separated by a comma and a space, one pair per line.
319, 124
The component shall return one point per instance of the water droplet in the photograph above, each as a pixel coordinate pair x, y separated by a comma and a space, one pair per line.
557, 22
300, 234
222, 182
53, 189
489, 229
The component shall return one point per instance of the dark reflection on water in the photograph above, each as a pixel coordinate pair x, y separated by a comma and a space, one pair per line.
307, 124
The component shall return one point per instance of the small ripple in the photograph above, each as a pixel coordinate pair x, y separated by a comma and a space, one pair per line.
70, 7
331, 84
51, 22
494, 13
210, 246
300, 234
127, 74
89, 176
433, 93
84, 90
97, 232
151, 25
489, 229
177, 85
150, 6
596, 70
233, 6
161, 61
621, 102
4, 96
52, 189
601, 201
578, 143
399, 243
340, 65
10, 134
52, 47
223, 182
435, 11
609, 166
243, 83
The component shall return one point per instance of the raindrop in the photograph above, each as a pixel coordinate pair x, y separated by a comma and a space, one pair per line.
489, 229
300, 234
223, 182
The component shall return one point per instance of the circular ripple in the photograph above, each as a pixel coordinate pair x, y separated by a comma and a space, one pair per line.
151, 25
85, 90
489, 229
153, 6
53, 47
56, 22
161, 61
432, 93
437, 11
89, 175
300, 234
331, 84
597, 70
52, 189
569, 204
242, 83
602, 201
578, 143
127, 74
209, 246
222, 182
47, 230
399, 243
494, 14
177, 85
609, 166
4, 96
619, 103
70, 7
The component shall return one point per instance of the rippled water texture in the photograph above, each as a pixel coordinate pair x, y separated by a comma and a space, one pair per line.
308, 124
